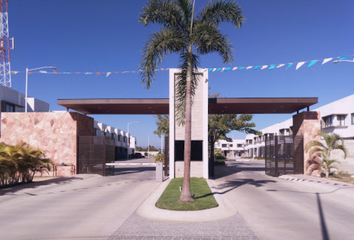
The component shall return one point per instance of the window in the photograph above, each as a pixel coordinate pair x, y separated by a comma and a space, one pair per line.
112, 135
230, 145
239, 145
9, 108
223, 145
327, 121
352, 118
341, 120
95, 133
119, 138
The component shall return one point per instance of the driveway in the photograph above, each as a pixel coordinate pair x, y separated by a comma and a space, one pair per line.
80, 207
275, 208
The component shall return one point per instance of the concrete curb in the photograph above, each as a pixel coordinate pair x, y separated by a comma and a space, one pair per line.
322, 184
148, 209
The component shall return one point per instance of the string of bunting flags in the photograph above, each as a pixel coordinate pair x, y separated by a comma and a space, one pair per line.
223, 69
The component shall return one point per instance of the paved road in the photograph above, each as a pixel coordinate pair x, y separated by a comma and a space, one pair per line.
278, 209
81, 207
94, 207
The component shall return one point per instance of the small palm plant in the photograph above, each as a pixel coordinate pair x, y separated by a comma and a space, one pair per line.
8, 165
31, 160
332, 142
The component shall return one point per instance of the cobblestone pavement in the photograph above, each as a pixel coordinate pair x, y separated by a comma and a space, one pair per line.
137, 227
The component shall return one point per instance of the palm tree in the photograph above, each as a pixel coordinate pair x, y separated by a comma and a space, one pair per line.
187, 35
332, 142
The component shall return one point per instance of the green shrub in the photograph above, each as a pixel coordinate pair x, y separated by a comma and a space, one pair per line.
218, 154
160, 158
20, 163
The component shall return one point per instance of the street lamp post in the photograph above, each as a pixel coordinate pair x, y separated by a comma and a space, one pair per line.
129, 138
32, 69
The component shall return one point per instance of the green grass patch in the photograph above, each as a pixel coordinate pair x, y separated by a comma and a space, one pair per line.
203, 198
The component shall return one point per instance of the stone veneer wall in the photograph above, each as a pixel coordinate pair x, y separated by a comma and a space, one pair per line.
55, 133
306, 124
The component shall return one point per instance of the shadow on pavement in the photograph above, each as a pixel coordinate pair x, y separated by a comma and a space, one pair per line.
235, 167
132, 170
58, 180
231, 185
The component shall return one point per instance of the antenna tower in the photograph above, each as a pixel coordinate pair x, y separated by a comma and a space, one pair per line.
5, 70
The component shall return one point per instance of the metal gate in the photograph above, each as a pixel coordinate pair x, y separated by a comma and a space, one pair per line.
93, 154
279, 155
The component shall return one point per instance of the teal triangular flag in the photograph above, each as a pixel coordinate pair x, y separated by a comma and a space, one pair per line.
312, 63
256, 67
218, 69
242, 68
341, 58
271, 67
289, 65
227, 69
210, 69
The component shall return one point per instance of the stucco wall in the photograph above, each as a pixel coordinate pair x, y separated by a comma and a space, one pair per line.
55, 133
196, 169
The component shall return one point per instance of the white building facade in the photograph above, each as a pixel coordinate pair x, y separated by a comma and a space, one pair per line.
336, 117
125, 144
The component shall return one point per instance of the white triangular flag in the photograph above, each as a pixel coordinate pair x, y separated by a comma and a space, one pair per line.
264, 66
249, 67
280, 65
214, 69
109, 73
234, 68
299, 65
326, 60
222, 69
88, 73
43, 71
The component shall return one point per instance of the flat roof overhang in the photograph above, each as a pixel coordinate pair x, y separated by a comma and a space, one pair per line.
154, 106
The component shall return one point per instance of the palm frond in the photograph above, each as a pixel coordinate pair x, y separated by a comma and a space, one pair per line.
166, 13
186, 11
217, 12
314, 143
208, 39
160, 44
185, 58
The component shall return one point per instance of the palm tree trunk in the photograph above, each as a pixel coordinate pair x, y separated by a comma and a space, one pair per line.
186, 195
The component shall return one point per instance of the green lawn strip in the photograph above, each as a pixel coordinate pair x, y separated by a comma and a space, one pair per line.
203, 198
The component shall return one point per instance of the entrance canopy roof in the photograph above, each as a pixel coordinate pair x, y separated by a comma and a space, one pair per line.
161, 105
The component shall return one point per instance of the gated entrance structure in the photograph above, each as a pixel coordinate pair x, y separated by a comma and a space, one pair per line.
305, 123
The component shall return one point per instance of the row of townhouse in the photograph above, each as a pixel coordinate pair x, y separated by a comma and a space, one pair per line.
124, 143
14, 101
336, 117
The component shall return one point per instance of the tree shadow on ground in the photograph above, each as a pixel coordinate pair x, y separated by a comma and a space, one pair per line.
231, 185
8, 190
130, 170
236, 167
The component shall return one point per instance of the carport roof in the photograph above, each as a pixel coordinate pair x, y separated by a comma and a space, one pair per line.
161, 105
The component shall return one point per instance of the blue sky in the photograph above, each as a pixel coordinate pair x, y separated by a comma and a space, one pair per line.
105, 36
